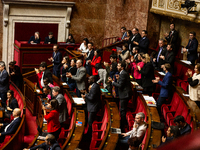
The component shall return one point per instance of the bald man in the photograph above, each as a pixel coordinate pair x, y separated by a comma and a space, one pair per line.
80, 77
12, 127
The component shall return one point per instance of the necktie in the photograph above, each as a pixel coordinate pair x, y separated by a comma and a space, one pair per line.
159, 54
190, 43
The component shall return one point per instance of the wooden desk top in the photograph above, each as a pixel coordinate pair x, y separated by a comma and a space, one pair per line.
76, 52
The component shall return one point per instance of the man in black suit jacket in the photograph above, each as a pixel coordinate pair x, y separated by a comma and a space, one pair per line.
88, 57
136, 37
50, 144
162, 51
191, 48
124, 89
172, 37
4, 83
46, 73
93, 101
12, 127
169, 57
56, 60
50, 39
143, 42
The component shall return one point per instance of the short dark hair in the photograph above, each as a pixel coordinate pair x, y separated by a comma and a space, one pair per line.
145, 31
192, 32
137, 48
50, 33
91, 43
173, 24
136, 29
74, 59
114, 56
134, 141
12, 63
56, 46
47, 87
51, 138
124, 28
179, 119
125, 45
47, 80
123, 64
175, 130
43, 64
54, 104
130, 32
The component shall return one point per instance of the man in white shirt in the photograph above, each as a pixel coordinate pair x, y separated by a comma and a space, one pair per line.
139, 129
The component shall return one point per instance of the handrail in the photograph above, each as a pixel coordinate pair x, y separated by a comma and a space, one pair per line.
108, 41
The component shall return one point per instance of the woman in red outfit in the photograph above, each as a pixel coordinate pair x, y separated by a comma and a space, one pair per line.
96, 59
53, 124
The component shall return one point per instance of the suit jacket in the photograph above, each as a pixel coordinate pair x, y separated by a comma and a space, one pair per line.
57, 61
48, 74
93, 98
123, 85
144, 45
172, 38
34, 40
147, 73
64, 72
4, 81
135, 38
160, 61
90, 57
170, 58
80, 78
166, 84
62, 108
52, 119
55, 146
192, 49
52, 40
73, 71
93, 63
17, 76
12, 127
13, 105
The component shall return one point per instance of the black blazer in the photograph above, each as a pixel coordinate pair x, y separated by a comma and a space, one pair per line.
170, 58
144, 45
4, 81
192, 49
55, 146
35, 40
73, 71
90, 57
64, 72
147, 73
48, 74
52, 40
93, 98
123, 85
161, 61
12, 128
13, 105
172, 39
57, 61
136, 38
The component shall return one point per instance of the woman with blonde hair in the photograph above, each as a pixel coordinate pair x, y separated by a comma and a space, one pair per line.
147, 73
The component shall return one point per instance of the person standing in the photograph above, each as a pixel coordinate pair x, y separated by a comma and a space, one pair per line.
124, 89
56, 60
4, 83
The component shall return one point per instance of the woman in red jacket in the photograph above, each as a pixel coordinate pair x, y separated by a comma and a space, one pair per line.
53, 124
96, 59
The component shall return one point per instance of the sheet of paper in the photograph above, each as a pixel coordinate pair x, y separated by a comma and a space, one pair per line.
78, 100
64, 83
161, 73
186, 62
134, 83
37, 90
186, 95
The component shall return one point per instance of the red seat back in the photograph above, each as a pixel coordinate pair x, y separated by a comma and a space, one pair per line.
69, 104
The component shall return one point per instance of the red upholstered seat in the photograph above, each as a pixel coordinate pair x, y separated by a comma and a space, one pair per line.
144, 139
184, 85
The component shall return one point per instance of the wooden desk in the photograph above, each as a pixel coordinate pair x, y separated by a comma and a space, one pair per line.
76, 52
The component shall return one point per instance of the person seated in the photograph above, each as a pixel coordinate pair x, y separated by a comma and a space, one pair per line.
124, 54
47, 82
96, 59
84, 46
11, 128
172, 133
103, 76
166, 85
70, 39
139, 130
63, 112
65, 63
50, 39
15, 74
49, 144
72, 69
11, 103
88, 57
47, 93
184, 127
194, 84
35, 39
53, 124
133, 143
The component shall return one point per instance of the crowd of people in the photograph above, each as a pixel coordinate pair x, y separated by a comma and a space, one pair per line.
133, 59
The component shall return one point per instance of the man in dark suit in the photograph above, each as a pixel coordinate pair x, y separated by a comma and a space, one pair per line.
4, 83
50, 144
162, 51
183, 126
123, 31
191, 48
45, 74
12, 127
50, 39
166, 84
93, 101
88, 57
136, 37
172, 37
169, 57
124, 89
56, 60
143, 42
